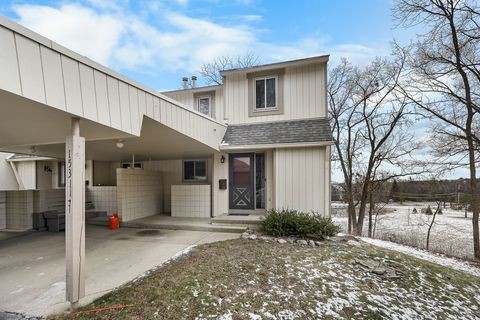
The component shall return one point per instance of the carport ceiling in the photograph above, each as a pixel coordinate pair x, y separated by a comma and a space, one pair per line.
25, 123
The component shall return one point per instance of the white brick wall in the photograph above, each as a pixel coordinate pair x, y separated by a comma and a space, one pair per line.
19, 209
191, 201
50, 199
139, 193
103, 198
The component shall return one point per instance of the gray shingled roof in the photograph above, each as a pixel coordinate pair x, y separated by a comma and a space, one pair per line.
278, 132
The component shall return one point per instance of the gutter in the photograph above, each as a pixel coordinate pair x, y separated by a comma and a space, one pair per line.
277, 146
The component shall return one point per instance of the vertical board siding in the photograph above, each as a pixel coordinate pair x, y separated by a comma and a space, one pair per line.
125, 106
9, 75
101, 95
52, 76
186, 98
87, 84
49, 74
27, 173
149, 104
30, 66
71, 82
114, 103
157, 110
303, 95
142, 106
134, 112
300, 179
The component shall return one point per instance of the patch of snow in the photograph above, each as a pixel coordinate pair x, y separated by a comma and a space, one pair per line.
226, 316
17, 291
254, 316
427, 256
451, 233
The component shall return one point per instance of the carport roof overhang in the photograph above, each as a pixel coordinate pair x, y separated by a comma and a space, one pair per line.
26, 123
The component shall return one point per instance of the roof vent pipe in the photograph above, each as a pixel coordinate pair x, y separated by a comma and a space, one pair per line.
194, 81
185, 82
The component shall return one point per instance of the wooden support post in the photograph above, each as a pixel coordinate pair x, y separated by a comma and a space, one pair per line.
75, 214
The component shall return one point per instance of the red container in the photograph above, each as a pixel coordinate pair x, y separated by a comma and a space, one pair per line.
114, 222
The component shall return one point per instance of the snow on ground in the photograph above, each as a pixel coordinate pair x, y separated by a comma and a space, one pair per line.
451, 234
425, 255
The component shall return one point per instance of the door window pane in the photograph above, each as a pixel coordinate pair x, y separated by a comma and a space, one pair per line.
271, 93
260, 94
260, 180
241, 178
241, 164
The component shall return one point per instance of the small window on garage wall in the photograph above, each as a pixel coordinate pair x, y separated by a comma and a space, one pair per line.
194, 170
204, 104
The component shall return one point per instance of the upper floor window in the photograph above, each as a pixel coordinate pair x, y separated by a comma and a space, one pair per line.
266, 92
204, 105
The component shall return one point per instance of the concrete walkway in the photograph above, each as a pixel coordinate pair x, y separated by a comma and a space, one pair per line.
178, 223
32, 267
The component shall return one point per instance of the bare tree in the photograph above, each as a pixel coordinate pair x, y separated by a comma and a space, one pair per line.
369, 124
444, 81
211, 71
437, 210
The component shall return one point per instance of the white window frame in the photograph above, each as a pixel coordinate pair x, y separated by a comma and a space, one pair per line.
194, 173
209, 97
265, 96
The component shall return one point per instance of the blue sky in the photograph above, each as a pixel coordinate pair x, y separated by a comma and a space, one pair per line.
158, 42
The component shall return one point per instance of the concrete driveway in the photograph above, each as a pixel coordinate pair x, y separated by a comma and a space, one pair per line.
32, 267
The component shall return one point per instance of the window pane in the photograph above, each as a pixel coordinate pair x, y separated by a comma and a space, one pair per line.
260, 180
271, 93
204, 106
241, 178
260, 94
200, 170
188, 170
241, 164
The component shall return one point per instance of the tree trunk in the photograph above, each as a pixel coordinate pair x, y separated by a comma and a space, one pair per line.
370, 216
431, 224
474, 202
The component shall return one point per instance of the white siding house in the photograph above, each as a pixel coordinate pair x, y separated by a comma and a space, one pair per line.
259, 141
80, 132
291, 136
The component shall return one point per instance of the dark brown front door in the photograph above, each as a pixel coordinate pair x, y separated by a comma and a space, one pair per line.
241, 166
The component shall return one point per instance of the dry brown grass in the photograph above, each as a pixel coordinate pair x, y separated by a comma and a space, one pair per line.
244, 279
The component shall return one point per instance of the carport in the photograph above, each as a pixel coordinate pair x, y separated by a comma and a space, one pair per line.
56, 103
32, 267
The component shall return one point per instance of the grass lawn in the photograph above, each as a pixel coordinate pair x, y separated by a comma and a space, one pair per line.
247, 279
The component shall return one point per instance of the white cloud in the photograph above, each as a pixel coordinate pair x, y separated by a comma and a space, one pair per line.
183, 3
252, 17
244, 2
124, 40
79, 28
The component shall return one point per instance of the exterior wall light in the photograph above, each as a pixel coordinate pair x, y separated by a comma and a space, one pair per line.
222, 159
119, 144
